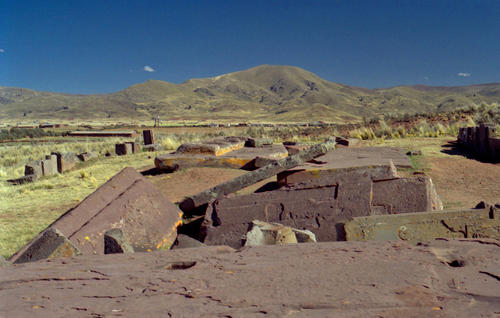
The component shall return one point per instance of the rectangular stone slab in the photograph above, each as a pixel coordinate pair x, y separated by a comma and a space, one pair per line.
312, 209
235, 159
34, 168
127, 201
321, 209
318, 175
49, 244
65, 161
215, 147
404, 194
356, 157
148, 136
425, 226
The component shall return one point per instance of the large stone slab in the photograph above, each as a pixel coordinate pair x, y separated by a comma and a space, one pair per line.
355, 157
49, 165
65, 161
148, 136
319, 207
215, 147
321, 174
241, 158
339, 279
405, 194
426, 226
50, 244
128, 202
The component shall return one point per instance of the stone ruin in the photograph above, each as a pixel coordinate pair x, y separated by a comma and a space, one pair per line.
481, 141
320, 194
56, 162
335, 195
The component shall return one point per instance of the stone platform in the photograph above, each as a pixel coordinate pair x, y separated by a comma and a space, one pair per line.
228, 152
337, 279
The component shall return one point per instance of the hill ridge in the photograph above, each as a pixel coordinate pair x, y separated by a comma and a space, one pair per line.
261, 93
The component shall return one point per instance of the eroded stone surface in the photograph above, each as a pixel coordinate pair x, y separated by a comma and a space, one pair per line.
425, 226
340, 279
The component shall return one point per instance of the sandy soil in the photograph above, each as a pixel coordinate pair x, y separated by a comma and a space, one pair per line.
462, 182
191, 181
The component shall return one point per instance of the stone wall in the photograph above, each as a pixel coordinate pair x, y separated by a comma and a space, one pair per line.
481, 141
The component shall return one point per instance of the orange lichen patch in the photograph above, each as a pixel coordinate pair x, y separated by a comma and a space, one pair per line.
170, 238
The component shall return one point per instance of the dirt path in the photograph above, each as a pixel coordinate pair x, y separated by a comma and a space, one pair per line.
462, 182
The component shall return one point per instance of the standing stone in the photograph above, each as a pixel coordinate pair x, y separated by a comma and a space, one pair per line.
120, 149
134, 147
65, 161
34, 168
49, 165
148, 137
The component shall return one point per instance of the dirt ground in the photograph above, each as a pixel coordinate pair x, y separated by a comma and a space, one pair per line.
175, 186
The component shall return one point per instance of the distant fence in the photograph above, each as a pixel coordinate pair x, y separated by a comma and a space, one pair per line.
480, 140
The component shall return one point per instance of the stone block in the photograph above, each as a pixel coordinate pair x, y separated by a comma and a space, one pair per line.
148, 137
129, 202
115, 242
295, 149
264, 233
49, 244
86, 156
425, 226
214, 147
258, 142
404, 195
49, 165
121, 149
228, 219
34, 168
494, 148
237, 159
134, 147
152, 147
320, 205
65, 161
312, 175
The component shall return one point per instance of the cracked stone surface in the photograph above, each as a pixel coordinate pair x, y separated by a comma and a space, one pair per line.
443, 278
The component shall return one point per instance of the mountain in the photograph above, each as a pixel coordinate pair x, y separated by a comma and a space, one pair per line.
262, 93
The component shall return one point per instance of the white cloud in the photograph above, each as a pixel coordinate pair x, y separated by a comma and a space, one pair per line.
148, 68
463, 74
2, 51
426, 78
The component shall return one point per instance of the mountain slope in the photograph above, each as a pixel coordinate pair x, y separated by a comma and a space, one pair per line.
265, 93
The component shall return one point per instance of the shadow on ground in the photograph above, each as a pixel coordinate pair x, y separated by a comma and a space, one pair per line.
454, 148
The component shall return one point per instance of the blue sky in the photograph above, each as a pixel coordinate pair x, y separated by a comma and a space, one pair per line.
102, 46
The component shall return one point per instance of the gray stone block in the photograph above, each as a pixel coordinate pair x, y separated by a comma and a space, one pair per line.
116, 242
34, 168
